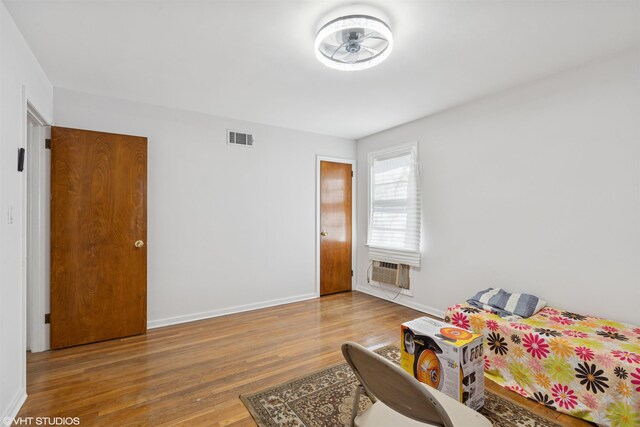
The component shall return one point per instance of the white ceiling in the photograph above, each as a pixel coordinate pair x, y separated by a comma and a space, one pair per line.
254, 60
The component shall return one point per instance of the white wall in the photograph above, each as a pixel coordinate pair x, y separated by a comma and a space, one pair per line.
18, 69
536, 189
229, 228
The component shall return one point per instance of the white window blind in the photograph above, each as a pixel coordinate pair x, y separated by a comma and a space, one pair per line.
394, 211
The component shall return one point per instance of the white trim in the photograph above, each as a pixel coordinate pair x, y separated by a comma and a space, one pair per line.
36, 238
354, 242
15, 405
225, 311
402, 301
31, 109
401, 256
27, 108
35, 250
23, 258
394, 149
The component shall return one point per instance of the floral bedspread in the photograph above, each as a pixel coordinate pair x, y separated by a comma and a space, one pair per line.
583, 366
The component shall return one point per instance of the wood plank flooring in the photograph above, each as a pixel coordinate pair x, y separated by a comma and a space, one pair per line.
192, 374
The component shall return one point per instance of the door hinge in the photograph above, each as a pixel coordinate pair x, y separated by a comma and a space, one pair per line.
47, 144
47, 318
351, 273
351, 174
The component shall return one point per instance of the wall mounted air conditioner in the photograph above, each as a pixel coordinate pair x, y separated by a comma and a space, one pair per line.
391, 274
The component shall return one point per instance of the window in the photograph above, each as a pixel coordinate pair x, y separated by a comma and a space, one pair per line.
394, 206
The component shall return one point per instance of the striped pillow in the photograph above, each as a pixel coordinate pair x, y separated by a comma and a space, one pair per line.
507, 304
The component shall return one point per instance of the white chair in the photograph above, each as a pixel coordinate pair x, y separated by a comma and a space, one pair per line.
399, 399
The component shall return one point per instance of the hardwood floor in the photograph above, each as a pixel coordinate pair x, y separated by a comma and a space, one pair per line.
193, 373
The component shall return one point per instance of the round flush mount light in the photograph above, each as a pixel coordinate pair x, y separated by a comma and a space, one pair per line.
353, 42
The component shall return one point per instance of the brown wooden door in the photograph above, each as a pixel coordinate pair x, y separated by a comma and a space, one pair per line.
335, 227
98, 213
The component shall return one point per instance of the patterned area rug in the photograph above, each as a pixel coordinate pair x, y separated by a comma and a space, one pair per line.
325, 399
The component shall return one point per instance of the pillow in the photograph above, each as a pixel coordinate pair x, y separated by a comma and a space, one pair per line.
507, 304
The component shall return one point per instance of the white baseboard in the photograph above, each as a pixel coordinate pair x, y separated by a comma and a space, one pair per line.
15, 405
402, 300
224, 311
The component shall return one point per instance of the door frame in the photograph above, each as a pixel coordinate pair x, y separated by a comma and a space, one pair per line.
354, 245
35, 249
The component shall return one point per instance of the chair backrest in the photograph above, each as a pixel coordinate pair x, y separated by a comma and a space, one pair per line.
394, 387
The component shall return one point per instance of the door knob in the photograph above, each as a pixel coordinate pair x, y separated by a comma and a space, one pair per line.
139, 243
324, 233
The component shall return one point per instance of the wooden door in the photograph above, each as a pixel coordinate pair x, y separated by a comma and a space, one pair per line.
98, 235
335, 227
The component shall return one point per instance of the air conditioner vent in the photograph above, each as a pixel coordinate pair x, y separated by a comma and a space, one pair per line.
239, 138
391, 274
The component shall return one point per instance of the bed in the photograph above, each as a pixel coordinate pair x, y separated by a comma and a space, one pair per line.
584, 366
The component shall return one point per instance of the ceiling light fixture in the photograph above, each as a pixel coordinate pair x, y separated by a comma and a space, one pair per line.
353, 42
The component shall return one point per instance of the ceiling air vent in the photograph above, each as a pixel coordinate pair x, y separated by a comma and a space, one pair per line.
239, 138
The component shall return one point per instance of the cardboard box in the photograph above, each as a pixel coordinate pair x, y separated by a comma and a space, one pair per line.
445, 357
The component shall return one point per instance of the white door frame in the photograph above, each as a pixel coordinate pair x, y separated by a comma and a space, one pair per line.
352, 162
35, 233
